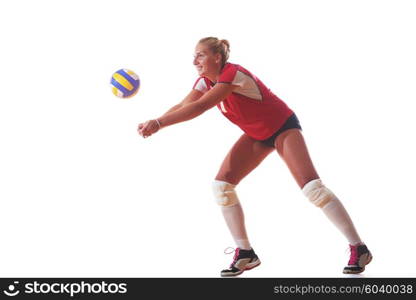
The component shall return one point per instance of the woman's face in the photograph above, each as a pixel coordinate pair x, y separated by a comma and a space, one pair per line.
207, 63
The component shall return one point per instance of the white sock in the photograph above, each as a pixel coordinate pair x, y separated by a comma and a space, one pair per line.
337, 214
234, 217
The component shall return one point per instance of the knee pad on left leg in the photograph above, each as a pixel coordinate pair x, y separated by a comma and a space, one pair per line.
318, 193
224, 193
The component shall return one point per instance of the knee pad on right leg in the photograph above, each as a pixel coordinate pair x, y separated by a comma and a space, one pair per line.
224, 193
318, 193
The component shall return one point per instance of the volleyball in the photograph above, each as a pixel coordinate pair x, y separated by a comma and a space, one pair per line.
125, 83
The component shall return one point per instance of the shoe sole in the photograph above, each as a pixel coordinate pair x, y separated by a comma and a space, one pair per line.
247, 268
369, 259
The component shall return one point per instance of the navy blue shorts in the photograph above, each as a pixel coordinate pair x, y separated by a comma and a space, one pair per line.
291, 123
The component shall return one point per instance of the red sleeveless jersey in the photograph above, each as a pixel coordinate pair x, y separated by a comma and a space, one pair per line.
251, 106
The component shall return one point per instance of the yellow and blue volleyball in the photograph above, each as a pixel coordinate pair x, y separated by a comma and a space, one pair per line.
125, 83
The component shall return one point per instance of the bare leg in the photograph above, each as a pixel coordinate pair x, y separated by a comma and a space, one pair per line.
244, 156
292, 148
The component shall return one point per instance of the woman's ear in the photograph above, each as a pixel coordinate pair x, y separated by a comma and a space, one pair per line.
218, 58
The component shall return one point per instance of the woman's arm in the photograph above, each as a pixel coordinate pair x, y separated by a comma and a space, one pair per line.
146, 129
191, 97
192, 106
195, 108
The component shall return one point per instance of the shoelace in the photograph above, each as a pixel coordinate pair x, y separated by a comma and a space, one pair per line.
354, 255
229, 252
236, 252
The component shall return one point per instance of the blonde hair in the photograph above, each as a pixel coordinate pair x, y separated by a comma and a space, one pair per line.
217, 46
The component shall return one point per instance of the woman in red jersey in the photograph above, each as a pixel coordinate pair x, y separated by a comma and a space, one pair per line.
268, 125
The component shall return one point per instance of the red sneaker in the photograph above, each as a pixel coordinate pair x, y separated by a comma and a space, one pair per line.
243, 260
360, 257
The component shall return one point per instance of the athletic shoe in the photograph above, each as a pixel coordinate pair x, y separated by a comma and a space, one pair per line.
243, 260
360, 257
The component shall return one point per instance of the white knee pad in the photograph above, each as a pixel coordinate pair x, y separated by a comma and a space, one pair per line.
318, 193
224, 193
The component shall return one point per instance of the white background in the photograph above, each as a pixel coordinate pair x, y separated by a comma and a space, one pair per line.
83, 195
